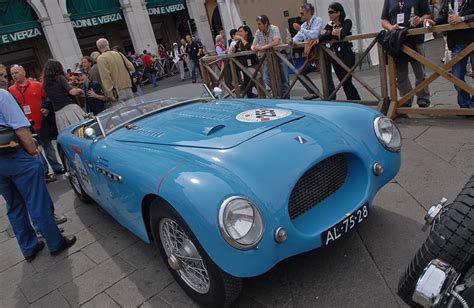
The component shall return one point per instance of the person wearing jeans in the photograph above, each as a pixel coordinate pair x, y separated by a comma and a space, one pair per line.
458, 40
193, 51
267, 37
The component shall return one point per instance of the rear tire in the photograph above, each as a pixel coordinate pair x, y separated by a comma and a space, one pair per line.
215, 288
74, 180
451, 241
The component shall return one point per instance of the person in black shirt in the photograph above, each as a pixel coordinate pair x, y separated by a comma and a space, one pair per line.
338, 28
458, 40
95, 97
395, 16
194, 52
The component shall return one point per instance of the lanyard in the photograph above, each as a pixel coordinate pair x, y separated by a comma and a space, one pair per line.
308, 25
23, 92
401, 4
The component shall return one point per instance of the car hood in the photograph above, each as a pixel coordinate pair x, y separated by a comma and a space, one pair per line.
218, 125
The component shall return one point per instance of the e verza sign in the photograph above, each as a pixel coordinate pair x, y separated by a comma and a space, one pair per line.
95, 21
166, 9
19, 35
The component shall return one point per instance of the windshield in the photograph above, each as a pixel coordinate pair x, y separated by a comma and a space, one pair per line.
139, 107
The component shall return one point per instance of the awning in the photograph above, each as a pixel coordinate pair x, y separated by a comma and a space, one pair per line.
18, 21
158, 7
89, 13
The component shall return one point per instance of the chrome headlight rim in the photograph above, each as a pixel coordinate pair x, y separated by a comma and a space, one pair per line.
228, 238
394, 149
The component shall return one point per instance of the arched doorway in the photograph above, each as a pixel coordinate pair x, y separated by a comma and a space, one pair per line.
214, 17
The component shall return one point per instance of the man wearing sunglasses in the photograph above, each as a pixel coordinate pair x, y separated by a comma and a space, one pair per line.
396, 16
267, 37
311, 30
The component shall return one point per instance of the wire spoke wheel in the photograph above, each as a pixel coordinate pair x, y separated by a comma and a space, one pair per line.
73, 176
183, 256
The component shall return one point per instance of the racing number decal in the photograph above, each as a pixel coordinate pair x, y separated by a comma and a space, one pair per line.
82, 173
262, 115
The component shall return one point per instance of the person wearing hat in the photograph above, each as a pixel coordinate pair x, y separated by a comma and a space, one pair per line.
95, 98
178, 59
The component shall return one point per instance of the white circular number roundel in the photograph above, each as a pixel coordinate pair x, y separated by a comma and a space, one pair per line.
262, 115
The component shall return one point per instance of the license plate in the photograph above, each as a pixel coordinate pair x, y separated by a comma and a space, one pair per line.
346, 225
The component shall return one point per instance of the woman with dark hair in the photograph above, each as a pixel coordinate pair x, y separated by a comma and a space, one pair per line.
337, 29
61, 95
244, 39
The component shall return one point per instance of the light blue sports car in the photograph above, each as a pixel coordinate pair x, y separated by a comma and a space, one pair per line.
228, 188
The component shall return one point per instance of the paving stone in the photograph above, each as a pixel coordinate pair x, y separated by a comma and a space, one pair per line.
14, 299
4, 223
141, 254
53, 299
434, 177
102, 300
438, 140
107, 226
11, 254
410, 129
43, 282
4, 236
272, 289
10, 278
141, 285
332, 277
155, 301
84, 238
244, 301
396, 220
109, 246
464, 159
174, 295
96, 280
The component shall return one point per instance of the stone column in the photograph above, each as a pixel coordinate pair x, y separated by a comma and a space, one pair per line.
139, 25
197, 11
230, 16
58, 31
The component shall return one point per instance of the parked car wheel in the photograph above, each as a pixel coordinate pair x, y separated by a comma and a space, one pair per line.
74, 180
187, 261
451, 240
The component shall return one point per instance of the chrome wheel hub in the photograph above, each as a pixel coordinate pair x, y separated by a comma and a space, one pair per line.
183, 256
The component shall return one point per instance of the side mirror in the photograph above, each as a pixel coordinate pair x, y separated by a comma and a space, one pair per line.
217, 92
90, 133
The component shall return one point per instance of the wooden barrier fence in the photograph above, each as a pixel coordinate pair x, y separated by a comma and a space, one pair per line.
226, 72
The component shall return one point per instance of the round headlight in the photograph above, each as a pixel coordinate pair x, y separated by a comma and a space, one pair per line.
388, 134
240, 222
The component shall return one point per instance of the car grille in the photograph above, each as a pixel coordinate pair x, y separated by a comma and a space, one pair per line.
317, 184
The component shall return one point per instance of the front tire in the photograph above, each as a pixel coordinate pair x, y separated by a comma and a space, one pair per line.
74, 180
187, 261
451, 240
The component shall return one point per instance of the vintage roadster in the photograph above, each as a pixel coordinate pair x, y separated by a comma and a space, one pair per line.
228, 188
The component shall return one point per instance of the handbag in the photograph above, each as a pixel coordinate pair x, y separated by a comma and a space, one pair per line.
134, 86
310, 51
9, 142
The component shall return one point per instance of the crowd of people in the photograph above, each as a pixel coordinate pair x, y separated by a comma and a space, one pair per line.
397, 15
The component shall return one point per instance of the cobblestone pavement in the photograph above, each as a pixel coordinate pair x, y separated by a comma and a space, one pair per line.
110, 267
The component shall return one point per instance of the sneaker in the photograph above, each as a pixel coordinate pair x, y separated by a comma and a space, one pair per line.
37, 249
60, 219
67, 242
423, 103
62, 171
311, 96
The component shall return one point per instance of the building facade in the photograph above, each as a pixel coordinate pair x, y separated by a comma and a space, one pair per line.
31, 31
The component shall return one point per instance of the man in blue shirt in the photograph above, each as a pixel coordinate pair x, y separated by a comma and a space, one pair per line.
396, 16
95, 97
24, 189
310, 30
